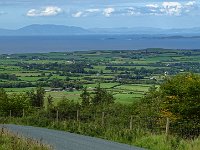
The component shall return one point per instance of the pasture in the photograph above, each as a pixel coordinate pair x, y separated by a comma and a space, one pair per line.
127, 74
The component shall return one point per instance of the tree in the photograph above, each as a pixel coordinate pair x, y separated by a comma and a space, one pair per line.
178, 99
3, 101
49, 101
85, 97
37, 97
150, 104
67, 108
57, 83
15, 103
181, 96
101, 96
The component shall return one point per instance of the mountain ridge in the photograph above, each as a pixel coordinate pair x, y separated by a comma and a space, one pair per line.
47, 29
50, 29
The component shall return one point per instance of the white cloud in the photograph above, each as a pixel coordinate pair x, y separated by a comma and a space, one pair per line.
77, 14
171, 8
167, 8
190, 6
31, 12
190, 3
86, 12
45, 11
152, 5
153, 8
131, 11
92, 10
108, 11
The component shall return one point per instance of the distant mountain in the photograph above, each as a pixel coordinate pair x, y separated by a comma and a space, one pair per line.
45, 30
185, 31
147, 30
48, 29
136, 30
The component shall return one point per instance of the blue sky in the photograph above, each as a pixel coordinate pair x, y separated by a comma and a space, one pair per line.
101, 13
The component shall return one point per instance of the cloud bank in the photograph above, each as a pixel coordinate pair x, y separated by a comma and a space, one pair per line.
166, 8
45, 11
158, 9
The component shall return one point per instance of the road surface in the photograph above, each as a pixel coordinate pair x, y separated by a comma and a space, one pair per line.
61, 140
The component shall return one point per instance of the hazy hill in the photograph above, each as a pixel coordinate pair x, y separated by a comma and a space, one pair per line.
148, 30
45, 30
48, 29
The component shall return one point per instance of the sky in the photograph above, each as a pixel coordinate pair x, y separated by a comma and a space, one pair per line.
15, 14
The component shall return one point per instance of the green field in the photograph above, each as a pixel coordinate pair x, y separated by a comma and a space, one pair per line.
127, 74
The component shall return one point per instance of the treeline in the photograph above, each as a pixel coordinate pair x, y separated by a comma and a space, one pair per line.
17, 103
66, 68
44, 82
35, 99
21, 84
172, 68
8, 76
143, 71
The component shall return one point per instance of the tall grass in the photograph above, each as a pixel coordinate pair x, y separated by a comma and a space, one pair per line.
10, 141
161, 142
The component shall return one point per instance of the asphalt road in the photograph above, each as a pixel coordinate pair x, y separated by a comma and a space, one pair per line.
61, 140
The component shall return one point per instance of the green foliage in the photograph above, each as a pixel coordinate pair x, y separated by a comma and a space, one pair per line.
178, 99
158, 142
57, 83
102, 97
37, 97
3, 101
181, 96
190, 145
49, 101
85, 97
8, 76
66, 108
181, 102
150, 105
18, 103
13, 104
161, 142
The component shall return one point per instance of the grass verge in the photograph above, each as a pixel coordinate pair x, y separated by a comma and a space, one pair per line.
161, 142
10, 141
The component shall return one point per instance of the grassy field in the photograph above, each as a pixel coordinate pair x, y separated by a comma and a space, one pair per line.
64, 94
134, 87
17, 90
128, 74
127, 98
